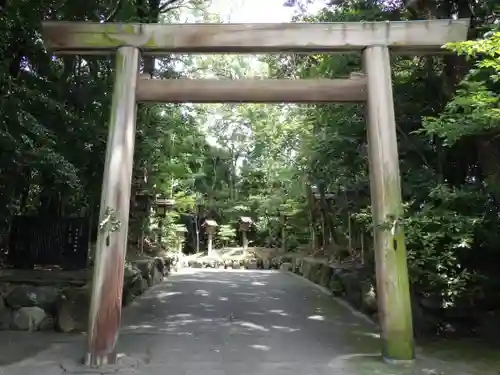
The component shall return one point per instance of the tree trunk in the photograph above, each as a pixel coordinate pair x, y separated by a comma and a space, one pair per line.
197, 229
488, 149
312, 214
329, 229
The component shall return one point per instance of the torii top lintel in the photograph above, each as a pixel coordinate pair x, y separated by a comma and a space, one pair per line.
405, 37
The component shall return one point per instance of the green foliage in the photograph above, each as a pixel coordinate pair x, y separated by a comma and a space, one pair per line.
226, 235
437, 236
474, 109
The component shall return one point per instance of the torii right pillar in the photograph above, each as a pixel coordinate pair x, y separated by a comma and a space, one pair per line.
393, 291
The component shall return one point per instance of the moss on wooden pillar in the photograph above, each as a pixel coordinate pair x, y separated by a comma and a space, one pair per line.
393, 290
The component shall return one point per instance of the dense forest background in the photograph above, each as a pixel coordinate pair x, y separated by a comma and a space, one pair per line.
268, 161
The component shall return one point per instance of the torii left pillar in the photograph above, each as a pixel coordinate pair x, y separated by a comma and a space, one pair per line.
107, 286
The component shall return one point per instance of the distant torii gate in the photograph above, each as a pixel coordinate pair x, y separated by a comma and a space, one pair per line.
373, 39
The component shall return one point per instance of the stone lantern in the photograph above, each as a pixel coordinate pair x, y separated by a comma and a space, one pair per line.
245, 223
210, 227
318, 205
142, 200
162, 206
180, 232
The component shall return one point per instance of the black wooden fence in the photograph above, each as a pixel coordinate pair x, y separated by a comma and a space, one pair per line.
46, 241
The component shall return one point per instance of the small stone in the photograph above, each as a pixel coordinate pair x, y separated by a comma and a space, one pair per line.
144, 286
157, 276
286, 266
145, 266
160, 265
5, 319
138, 287
28, 318
47, 324
72, 309
369, 297
44, 297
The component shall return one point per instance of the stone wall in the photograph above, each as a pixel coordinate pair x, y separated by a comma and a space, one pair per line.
51, 303
356, 285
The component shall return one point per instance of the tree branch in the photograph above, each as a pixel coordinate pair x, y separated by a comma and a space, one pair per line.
168, 5
115, 11
178, 7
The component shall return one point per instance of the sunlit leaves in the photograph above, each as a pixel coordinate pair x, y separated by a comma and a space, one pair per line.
474, 109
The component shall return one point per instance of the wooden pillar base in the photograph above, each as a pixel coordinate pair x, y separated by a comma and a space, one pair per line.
92, 360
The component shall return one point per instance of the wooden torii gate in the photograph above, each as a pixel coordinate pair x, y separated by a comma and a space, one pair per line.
375, 40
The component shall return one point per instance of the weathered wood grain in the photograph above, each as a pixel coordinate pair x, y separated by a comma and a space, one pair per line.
111, 247
252, 91
158, 39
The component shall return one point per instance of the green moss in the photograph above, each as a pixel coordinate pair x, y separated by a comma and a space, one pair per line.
94, 40
398, 329
113, 40
398, 336
113, 36
151, 43
398, 346
392, 193
127, 28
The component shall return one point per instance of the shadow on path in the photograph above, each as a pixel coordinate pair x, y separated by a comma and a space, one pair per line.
248, 322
